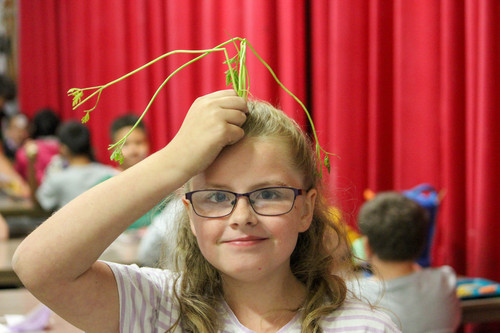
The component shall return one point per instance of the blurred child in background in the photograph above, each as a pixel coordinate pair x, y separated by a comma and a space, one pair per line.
9, 177
8, 94
394, 230
11, 181
14, 132
157, 246
82, 172
40, 148
137, 147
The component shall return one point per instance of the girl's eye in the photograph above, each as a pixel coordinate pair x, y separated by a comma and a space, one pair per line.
218, 197
268, 195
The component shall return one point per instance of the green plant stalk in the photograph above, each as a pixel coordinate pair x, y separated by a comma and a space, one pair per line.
238, 55
100, 88
117, 156
240, 84
231, 73
242, 78
313, 128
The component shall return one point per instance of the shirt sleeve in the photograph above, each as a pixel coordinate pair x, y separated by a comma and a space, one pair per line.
145, 295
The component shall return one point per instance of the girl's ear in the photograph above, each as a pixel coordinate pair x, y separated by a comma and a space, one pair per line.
190, 215
308, 209
186, 204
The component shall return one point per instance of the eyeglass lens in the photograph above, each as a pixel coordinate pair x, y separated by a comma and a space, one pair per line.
267, 201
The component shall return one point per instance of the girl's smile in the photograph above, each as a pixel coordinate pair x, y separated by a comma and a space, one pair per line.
245, 241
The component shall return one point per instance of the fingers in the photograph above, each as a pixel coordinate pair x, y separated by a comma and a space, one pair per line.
218, 109
234, 117
234, 134
234, 103
225, 99
233, 111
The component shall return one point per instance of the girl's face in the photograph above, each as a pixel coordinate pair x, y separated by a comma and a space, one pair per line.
244, 245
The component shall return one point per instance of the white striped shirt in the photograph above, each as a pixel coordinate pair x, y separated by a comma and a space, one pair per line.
147, 305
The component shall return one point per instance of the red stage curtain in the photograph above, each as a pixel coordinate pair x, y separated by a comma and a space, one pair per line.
406, 92
66, 44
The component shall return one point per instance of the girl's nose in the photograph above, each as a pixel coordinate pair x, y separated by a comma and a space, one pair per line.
243, 213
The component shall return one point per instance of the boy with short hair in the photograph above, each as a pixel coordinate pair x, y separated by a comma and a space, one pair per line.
394, 228
60, 187
136, 148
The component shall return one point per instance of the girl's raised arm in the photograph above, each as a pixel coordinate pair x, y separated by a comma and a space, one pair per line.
58, 261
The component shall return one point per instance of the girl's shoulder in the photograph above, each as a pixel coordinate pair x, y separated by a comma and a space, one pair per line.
357, 316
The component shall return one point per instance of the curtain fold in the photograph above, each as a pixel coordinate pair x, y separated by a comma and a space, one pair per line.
450, 239
483, 116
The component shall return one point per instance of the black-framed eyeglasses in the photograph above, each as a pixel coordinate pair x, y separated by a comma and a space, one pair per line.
269, 201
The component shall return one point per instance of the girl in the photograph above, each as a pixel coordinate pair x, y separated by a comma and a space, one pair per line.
254, 252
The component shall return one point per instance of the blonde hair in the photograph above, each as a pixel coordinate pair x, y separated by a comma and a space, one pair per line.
318, 260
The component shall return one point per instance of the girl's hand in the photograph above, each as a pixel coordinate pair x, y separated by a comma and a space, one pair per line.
213, 122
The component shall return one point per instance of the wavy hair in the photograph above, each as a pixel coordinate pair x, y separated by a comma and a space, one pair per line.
319, 260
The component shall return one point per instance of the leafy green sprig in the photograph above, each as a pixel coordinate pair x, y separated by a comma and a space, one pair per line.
236, 76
